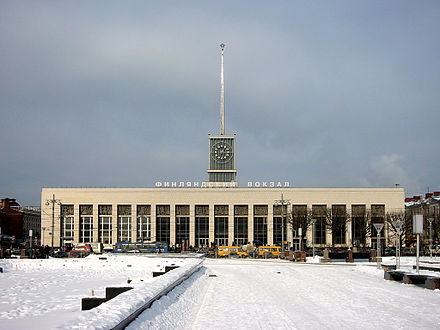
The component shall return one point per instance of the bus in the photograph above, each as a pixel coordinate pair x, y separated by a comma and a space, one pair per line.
141, 247
226, 251
269, 251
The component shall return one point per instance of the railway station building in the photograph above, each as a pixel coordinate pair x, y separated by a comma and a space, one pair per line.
215, 212
209, 216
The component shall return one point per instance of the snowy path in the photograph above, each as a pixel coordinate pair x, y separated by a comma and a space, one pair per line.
247, 294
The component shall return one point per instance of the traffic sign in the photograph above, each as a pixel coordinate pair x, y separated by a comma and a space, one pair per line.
397, 224
378, 227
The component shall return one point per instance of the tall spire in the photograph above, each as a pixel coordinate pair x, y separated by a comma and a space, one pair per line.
222, 95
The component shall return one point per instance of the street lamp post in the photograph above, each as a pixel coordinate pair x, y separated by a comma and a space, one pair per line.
430, 236
398, 225
53, 201
378, 227
282, 202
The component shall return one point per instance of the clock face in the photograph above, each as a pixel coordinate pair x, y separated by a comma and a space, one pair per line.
222, 152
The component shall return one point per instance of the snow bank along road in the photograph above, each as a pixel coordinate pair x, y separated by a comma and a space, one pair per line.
248, 294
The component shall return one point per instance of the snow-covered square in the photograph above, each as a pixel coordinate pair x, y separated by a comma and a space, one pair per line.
222, 294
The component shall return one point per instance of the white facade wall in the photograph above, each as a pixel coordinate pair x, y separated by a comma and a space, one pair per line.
392, 198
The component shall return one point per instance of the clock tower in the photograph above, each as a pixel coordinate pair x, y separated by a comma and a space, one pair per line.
222, 172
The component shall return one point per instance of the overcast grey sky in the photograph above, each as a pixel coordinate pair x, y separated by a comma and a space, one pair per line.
125, 93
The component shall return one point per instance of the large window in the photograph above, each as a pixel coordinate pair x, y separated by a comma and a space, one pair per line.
182, 231
124, 228
86, 229
202, 231
319, 234
143, 228
377, 216
124, 223
163, 223
277, 230
358, 225
320, 213
240, 225
163, 229
202, 225
143, 223
221, 224
339, 220
67, 228
260, 230
240, 231
86, 223
221, 230
105, 229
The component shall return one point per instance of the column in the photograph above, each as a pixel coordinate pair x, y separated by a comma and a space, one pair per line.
250, 223
385, 231
349, 235
192, 224
114, 223
288, 225
270, 224
133, 223
153, 222
95, 215
309, 235
230, 224
328, 232
75, 224
172, 225
211, 225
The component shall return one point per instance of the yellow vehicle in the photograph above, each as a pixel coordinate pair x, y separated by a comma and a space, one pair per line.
269, 251
225, 251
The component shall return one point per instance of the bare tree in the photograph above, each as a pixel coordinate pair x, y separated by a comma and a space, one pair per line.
336, 219
432, 211
301, 217
405, 230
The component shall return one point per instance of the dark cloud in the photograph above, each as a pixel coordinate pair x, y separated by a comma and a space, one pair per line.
125, 93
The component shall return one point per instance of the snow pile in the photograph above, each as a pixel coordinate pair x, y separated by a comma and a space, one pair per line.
111, 313
314, 260
42, 294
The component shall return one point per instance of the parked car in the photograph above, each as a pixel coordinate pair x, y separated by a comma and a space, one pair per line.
81, 251
107, 249
388, 251
16, 252
408, 251
61, 254
318, 252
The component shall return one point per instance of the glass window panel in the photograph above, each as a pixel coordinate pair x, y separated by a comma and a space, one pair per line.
260, 230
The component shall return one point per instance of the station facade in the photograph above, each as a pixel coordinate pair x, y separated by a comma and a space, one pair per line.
206, 216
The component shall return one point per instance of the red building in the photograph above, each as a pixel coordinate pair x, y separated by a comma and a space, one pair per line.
16, 221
